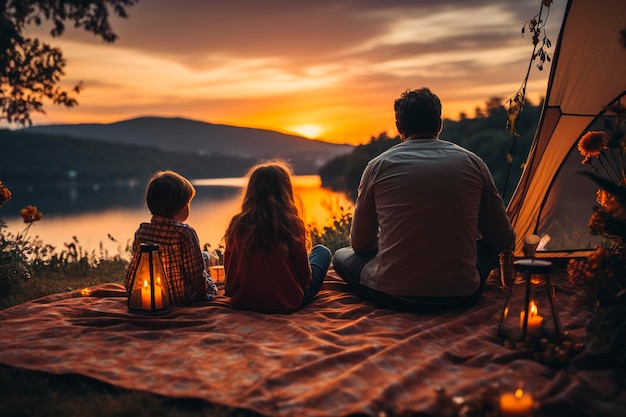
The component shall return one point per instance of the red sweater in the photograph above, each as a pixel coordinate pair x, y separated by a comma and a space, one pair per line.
266, 282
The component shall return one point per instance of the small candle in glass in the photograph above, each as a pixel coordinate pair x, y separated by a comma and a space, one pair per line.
146, 302
516, 404
158, 294
534, 319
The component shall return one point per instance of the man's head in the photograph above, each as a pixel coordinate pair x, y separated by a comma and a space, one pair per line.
418, 113
168, 193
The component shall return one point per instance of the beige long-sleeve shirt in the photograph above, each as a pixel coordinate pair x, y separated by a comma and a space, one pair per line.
423, 204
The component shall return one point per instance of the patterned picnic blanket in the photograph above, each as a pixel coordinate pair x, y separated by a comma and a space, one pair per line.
339, 356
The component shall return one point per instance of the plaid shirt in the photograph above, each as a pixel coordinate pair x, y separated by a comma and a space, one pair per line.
182, 259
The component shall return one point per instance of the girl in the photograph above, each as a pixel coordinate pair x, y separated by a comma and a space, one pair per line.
265, 260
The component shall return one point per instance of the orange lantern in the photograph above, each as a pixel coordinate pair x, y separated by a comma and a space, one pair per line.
149, 291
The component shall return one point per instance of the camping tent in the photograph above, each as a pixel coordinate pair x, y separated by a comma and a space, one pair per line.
588, 74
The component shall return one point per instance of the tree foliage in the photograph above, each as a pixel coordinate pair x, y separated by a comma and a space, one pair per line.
31, 70
344, 172
541, 43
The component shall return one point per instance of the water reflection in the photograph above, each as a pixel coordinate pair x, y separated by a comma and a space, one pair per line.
91, 213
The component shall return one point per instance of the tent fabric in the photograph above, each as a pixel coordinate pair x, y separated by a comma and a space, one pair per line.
587, 74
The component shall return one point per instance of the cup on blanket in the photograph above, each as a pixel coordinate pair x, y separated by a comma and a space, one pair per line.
507, 273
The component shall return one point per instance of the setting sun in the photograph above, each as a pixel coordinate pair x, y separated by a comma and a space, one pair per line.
308, 131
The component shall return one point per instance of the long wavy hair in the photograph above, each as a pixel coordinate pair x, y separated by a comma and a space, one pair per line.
270, 220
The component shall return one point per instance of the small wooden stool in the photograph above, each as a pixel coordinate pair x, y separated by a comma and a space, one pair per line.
528, 267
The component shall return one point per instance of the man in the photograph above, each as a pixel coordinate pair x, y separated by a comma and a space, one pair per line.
428, 221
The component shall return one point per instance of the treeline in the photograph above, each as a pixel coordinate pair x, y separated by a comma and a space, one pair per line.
485, 134
31, 158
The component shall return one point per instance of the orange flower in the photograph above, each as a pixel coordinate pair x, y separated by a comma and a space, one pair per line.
591, 144
5, 194
30, 214
602, 197
611, 204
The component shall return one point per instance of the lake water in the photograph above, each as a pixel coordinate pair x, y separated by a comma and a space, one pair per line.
92, 213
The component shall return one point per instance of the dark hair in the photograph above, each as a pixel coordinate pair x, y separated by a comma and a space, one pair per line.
418, 111
167, 193
269, 220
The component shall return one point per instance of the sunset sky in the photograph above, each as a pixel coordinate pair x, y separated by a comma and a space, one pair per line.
323, 68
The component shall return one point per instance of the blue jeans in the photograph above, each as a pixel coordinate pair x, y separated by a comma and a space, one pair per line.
319, 258
349, 264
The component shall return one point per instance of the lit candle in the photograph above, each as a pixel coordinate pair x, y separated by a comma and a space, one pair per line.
146, 303
517, 404
534, 319
158, 294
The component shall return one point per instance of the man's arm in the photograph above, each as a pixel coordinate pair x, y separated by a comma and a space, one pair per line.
364, 230
493, 222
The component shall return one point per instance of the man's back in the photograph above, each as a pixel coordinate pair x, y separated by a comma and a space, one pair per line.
431, 200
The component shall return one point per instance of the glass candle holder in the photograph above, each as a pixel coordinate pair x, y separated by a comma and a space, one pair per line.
149, 290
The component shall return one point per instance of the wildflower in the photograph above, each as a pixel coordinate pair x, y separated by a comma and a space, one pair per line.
591, 144
5, 194
598, 259
614, 207
576, 269
602, 197
30, 214
597, 222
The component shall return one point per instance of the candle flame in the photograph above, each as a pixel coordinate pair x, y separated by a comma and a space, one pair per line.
519, 393
533, 309
158, 281
145, 283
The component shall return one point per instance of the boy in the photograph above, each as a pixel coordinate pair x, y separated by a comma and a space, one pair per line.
168, 196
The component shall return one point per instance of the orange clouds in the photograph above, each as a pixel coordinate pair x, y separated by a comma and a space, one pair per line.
282, 64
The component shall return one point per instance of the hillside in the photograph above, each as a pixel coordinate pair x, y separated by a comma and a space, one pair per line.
200, 138
32, 159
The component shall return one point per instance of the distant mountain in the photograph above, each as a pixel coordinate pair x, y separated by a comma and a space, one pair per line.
201, 138
36, 159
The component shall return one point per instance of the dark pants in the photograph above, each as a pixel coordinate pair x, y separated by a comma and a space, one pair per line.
319, 258
349, 265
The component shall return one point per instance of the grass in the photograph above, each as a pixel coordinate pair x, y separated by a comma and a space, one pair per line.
46, 281
38, 394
